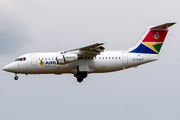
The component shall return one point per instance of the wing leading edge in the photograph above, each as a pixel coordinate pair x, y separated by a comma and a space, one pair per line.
89, 51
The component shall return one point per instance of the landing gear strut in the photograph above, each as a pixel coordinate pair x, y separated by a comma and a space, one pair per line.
81, 75
16, 77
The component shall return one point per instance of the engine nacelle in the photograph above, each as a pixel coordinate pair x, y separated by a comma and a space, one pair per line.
66, 58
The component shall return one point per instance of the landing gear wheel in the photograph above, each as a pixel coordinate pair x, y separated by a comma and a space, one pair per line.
16, 78
80, 76
79, 79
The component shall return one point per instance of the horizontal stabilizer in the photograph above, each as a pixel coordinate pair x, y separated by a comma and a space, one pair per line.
162, 27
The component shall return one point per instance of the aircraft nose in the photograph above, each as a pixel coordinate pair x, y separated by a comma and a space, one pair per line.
12, 67
6, 68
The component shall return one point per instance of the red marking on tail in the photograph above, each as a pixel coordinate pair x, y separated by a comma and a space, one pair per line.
156, 36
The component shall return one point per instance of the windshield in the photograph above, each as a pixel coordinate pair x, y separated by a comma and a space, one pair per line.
21, 59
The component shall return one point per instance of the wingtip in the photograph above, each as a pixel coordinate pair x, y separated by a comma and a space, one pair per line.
100, 43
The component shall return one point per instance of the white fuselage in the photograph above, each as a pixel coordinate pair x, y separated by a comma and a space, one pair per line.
92, 58
107, 61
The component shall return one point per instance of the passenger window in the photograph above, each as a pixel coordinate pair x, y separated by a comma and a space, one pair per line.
99, 57
52, 58
119, 57
109, 57
102, 57
116, 57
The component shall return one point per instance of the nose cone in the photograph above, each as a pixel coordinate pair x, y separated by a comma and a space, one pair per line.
6, 68
12, 67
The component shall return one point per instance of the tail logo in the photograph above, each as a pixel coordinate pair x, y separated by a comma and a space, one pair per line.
152, 43
156, 36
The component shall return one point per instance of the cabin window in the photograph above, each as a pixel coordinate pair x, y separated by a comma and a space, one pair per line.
24, 59
21, 59
112, 57
49, 58
52, 58
119, 57
45, 58
116, 57
16, 60
102, 57
109, 57
99, 57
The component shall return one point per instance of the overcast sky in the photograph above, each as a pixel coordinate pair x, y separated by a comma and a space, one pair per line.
149, 92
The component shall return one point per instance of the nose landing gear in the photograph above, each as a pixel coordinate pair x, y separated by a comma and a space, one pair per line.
16, 77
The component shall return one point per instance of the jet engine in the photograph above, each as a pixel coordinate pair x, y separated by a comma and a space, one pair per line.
66, 58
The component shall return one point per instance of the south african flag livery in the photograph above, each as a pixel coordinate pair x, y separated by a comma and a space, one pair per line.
152, 43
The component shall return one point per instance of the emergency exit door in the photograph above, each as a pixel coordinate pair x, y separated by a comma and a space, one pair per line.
125, 58
33, 60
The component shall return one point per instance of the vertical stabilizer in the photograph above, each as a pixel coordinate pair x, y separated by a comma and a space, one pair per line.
152, 40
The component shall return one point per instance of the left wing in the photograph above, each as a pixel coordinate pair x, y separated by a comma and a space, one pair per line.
89, 51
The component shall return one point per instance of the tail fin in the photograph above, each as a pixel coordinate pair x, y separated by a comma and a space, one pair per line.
152, 40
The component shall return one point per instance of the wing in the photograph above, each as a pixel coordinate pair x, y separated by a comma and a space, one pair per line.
88, 51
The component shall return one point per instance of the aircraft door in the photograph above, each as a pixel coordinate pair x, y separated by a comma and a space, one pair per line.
33, 60
125, 58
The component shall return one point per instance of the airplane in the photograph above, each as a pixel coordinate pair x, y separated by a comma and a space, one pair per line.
92, 58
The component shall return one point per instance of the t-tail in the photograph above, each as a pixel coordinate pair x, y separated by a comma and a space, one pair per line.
152, 40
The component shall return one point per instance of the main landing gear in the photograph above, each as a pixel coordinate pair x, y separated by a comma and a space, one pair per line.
81, 75
16, 77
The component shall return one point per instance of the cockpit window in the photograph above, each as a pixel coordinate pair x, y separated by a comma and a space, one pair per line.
21, 59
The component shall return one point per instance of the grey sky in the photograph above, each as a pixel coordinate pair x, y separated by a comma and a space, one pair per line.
149, 92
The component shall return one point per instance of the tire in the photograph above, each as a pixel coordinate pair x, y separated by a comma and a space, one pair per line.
80, 76
79, 79
16, 78
84, 74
